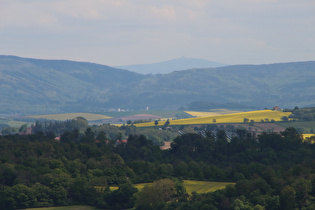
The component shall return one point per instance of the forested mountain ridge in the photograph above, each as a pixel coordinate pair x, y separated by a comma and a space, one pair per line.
54, 86
27, 85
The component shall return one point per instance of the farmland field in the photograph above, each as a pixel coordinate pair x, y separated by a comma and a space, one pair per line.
68, 116
12, 122
306, 126
213, 112
203, 186
257, 116
307, 135
192, 186
161, 113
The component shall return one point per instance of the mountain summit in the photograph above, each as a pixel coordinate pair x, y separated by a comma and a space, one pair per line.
171, 65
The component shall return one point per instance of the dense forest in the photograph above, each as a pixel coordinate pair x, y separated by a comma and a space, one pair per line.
271, 170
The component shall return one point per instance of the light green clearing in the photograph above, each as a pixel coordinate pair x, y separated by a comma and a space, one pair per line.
192, 186
204, 186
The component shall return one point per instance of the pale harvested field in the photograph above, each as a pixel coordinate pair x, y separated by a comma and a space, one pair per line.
137, 117
69, 116
214, 112
270, 126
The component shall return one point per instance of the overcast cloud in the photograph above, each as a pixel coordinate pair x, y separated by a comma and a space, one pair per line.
121, 32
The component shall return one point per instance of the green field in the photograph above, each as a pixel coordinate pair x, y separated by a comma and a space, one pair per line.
12, 123
192, 186
307, 126
203, 186
69, 116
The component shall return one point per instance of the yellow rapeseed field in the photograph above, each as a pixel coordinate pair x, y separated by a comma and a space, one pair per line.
307, 135
69, 116
257, 116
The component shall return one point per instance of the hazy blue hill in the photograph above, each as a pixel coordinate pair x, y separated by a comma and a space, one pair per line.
88, 72
287, 85
171, 65
54, 86
32, 85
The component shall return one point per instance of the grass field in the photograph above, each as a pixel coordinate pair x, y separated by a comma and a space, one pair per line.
203, 186
69, 116
192, 186
307, 126
66, 208
257, 116
12, 123
138, 186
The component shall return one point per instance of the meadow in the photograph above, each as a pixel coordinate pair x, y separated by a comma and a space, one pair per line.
204, 186
12, 123
306, 125
256, 116
69, 116
191, 186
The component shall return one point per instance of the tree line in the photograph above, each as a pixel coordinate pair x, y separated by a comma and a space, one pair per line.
272, 171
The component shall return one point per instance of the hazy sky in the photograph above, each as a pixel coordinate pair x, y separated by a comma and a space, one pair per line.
120, 32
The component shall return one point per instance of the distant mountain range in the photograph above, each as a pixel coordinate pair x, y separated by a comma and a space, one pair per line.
169, 66
33, 86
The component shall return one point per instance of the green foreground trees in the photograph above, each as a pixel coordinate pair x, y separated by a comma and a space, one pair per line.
273, 171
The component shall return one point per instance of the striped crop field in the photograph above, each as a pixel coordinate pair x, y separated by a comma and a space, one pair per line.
204, 186
213, 112
69, 116
257, 116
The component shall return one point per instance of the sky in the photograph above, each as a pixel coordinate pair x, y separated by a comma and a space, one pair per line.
124, 32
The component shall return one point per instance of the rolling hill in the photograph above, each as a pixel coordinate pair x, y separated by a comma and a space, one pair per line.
52, 86
33, 86
169, 66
